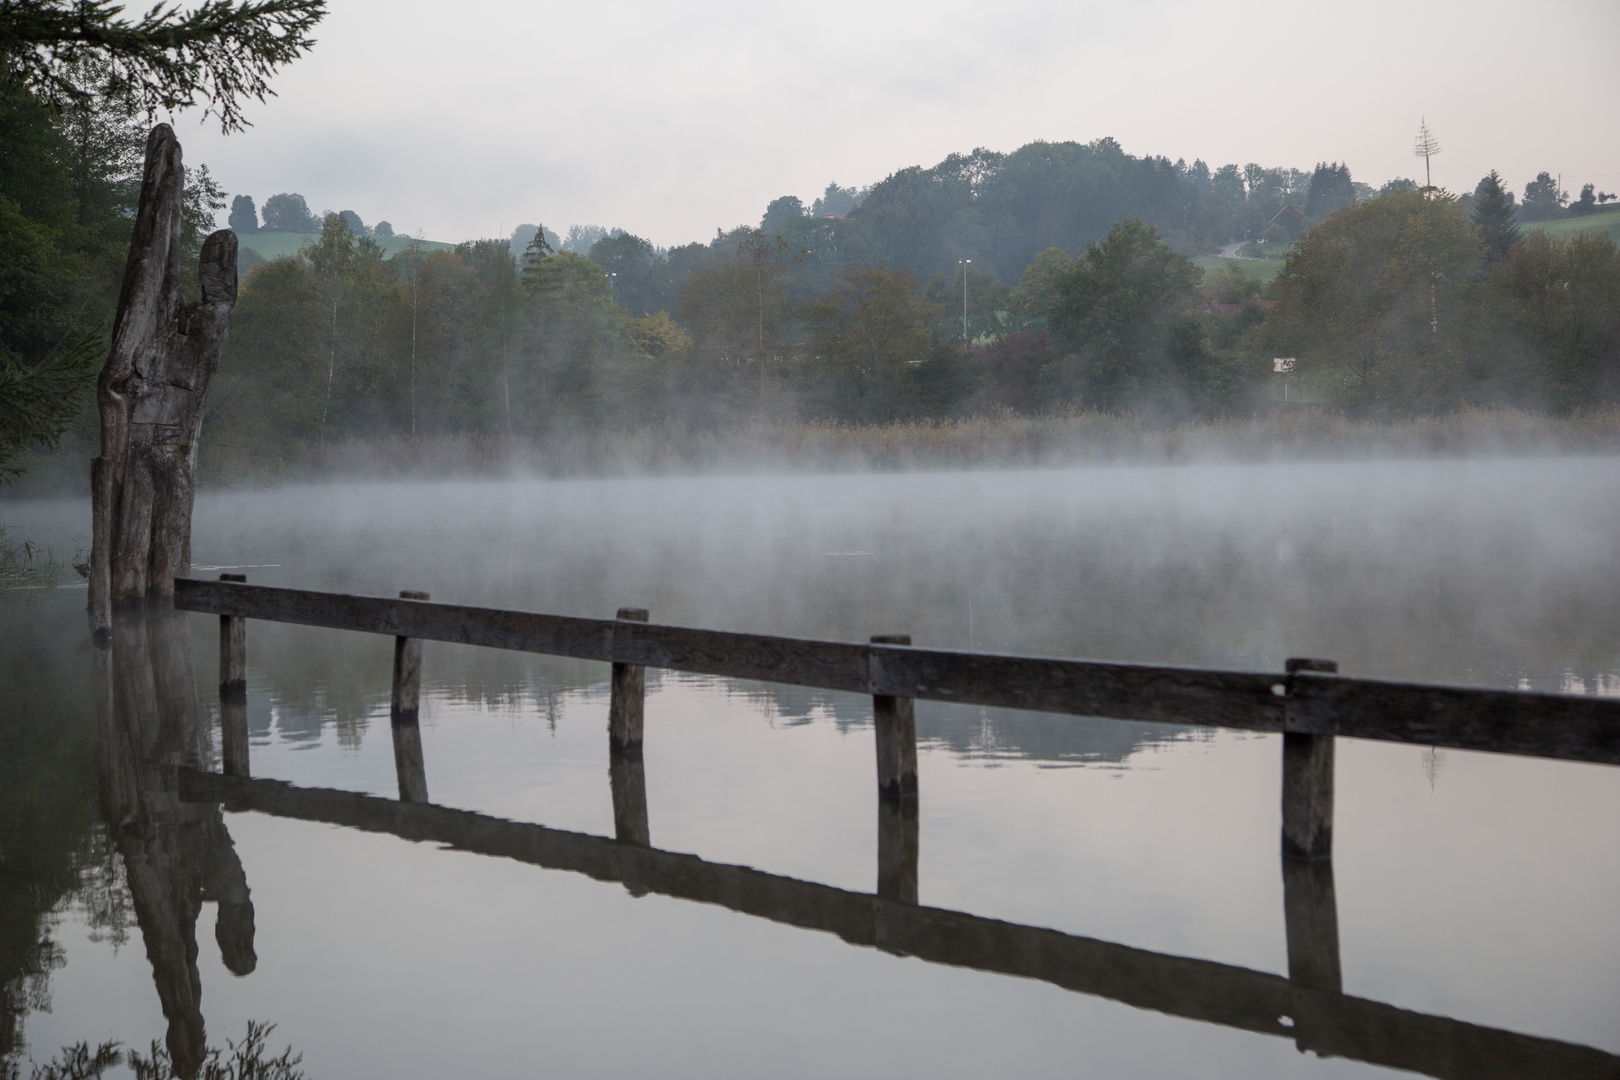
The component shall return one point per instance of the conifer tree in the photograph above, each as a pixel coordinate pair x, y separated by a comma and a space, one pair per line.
219, 54
244, 215
1330, 189
1494, 216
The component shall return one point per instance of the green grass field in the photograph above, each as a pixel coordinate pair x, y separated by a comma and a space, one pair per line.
273, 245
1261, 269
1606, 222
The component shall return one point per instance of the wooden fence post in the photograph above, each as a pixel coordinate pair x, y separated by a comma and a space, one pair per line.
895, 721
627, 697
233, 689
1310, 908
1311, 918
629, 781
897, 850
1307, 784
403, 714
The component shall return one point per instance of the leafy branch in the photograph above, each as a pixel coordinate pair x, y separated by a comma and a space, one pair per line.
38, 403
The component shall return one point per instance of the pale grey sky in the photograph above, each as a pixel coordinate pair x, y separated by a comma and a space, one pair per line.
671, 119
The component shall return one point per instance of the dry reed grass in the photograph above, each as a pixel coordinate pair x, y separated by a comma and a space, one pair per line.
1002, 441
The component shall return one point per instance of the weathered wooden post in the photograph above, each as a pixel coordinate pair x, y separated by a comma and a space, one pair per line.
1310, 907
402, 714
895, 722
1307, 786
897, 850
233, 689
1311, 918
627, 697
628, 778
150, 396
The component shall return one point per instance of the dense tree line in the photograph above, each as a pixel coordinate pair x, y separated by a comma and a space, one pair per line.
342, 343
1051, 278
69, 179
1412, 304
79, 84
1401, 302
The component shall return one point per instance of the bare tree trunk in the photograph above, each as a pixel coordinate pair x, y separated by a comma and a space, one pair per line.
506, 363
760, 283
331, 370
151, 395
413, 352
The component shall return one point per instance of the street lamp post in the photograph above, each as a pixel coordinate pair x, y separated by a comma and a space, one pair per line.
613, 287
964, 263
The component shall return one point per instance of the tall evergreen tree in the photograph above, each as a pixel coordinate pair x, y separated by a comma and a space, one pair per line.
1495, 216
1330, 189
244, 215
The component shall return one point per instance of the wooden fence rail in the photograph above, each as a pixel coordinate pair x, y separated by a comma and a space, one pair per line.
1304, 701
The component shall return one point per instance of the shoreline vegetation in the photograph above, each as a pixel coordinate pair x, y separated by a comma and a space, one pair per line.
1002, 441
27, 565
985, 442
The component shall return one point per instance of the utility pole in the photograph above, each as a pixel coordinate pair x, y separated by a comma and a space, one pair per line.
964, 263
1426, 146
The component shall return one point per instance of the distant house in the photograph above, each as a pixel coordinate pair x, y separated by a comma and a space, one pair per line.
1289, 217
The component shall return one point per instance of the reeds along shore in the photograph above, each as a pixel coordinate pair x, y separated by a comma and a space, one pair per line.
1003, 441
1006, 440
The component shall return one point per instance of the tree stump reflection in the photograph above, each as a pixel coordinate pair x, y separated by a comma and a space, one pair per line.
177, 855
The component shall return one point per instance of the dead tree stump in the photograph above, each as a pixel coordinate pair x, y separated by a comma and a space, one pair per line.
150, 396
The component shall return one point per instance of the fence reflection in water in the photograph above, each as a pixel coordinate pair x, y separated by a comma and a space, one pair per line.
145, 706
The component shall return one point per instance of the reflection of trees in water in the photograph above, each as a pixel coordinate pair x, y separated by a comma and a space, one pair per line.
303, 681
95, 891
146, 859
973, 731
102, 900
293, 671
51, 842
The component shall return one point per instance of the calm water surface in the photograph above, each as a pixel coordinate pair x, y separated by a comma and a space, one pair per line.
1468, 886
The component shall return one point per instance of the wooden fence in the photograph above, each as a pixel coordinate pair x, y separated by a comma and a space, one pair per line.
1310, 704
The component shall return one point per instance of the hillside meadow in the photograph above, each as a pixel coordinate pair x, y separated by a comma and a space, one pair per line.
273, 245
1606, 222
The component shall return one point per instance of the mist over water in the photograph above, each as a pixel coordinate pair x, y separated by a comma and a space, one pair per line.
1469, 885
1477, 572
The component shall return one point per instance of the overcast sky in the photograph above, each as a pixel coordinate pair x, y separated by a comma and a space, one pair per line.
670, 119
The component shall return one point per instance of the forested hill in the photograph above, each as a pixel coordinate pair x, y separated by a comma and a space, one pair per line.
1000, 210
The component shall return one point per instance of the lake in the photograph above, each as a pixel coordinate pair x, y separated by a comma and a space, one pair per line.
1469, 886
